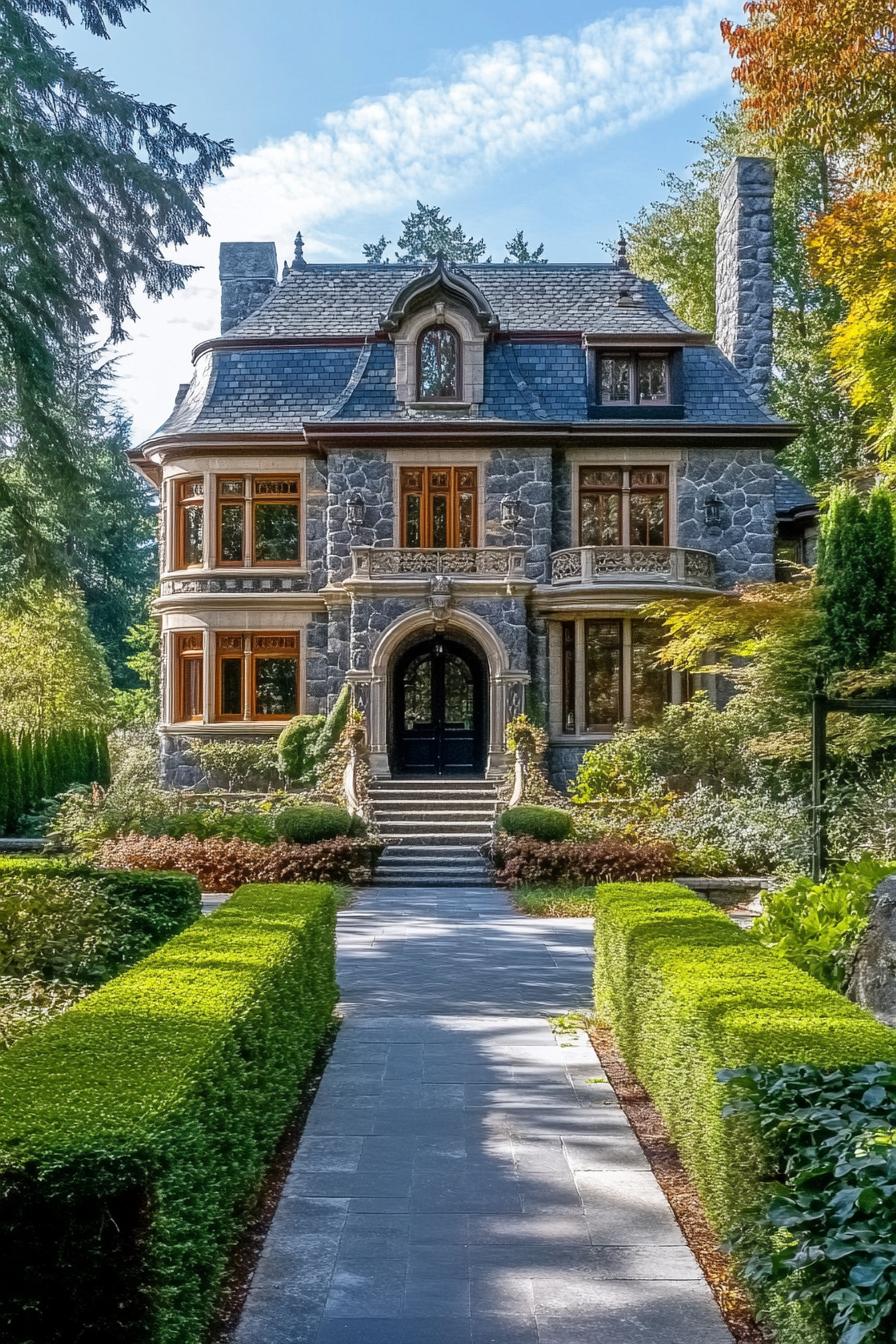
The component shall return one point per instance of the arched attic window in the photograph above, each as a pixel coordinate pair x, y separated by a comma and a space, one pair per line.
438, 365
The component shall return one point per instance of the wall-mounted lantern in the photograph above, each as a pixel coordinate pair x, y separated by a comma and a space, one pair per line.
510, 513
355, 514
713, 511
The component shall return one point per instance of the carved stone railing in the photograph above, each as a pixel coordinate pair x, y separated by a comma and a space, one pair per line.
651, 564
479, 561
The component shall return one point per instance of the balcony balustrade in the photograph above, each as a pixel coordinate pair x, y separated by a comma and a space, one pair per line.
633, 564
490, 562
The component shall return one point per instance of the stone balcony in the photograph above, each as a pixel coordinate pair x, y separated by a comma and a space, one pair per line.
640, 565
396, 562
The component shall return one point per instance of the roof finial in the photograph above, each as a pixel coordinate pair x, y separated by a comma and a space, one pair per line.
285, 271
621, 254
299, 255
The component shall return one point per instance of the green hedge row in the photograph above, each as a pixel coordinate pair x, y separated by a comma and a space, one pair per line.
688, 993
74, 922
39, 765
136, 1127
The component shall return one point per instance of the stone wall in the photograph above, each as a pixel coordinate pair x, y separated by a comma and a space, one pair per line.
370, 476
316, 665
563, 764
527, 477
744, 481
744, 282
562, 511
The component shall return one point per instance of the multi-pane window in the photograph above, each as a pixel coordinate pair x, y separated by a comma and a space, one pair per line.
188, 676
275, 520
609, 674
438, 506
438, 365
190, 507
631, 380
231, 520
623, 506
257, 676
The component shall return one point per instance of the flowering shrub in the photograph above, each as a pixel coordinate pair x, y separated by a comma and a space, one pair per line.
223, 865
524, 862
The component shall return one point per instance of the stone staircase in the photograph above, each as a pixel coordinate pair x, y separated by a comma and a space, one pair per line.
433, 831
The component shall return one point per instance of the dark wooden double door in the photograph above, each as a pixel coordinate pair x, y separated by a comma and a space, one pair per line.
439, 710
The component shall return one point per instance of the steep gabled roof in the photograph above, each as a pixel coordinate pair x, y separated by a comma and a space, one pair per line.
352, 300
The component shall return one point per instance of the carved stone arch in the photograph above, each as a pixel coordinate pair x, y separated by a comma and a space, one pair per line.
441, 296
505, 684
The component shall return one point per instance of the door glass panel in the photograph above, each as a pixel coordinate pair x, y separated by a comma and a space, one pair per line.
648, 520
439, 520
650, 684
603, 674
232, 685
600, 519
412, 520
458, 694
275, 686
276, 533
231, 533
418, 693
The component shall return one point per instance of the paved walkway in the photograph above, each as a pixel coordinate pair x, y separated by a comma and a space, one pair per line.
462, 1178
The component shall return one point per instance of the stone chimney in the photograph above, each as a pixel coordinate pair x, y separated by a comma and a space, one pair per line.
248, 273
744, 284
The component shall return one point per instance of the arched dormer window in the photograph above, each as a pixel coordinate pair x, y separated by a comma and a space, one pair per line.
438, 365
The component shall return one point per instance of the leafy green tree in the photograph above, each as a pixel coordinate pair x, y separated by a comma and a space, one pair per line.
53, 675
140, 704
96, 188
673, 242
857, 579
428, 232
519, 250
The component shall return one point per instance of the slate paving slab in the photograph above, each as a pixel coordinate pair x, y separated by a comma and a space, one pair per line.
466, 1176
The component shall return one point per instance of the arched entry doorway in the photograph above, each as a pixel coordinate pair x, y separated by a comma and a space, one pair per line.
438, 712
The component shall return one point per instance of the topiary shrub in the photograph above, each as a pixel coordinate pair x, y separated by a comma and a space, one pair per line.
295, 746
687, 994
138, 1125
314, 821
541, 823
333, 726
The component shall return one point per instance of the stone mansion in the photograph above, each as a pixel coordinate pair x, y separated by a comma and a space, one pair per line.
455, 487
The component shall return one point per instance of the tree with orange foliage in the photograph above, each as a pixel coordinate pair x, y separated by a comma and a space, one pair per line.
823, 73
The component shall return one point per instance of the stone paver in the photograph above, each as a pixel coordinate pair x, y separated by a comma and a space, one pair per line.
462, 1177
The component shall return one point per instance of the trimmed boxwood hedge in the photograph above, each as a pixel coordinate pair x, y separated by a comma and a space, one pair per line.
541, 823
687, 993
136, 1127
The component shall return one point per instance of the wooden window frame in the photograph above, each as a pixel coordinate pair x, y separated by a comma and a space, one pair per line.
229, 501
249, 654
634, 358
678, 686
183, 503
625, 492
457, 394
184, 656
622, 642
426, 490
254, 500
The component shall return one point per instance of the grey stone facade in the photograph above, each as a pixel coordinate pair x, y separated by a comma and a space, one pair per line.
744, 280
317, 375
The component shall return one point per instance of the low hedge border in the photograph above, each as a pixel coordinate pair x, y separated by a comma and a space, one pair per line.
224, 865
523, 862
688, 993
137, 1126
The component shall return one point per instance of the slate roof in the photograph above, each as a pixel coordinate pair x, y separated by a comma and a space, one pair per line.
349, 300
791, 496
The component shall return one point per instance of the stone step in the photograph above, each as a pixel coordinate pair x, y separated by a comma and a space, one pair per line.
475, 815
431, 826
442, 796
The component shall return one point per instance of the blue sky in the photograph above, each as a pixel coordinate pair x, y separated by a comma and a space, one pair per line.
561, 119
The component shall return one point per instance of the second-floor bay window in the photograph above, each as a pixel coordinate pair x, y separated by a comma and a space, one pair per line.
259, 520
623, 506
190, 522
438, 507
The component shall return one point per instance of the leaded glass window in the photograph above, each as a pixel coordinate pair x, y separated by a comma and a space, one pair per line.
438, 365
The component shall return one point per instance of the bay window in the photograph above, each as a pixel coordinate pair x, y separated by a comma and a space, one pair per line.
190, 522
609, 674
257, 676
188, 677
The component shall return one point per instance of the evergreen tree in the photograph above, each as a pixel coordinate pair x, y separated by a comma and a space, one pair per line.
26, 772
104, 765
4, 779
96, 188
13, 785
857, 578
519, 250
39, 767
427, 233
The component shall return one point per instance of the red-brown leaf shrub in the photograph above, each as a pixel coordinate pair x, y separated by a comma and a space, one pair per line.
224, 865
524, 862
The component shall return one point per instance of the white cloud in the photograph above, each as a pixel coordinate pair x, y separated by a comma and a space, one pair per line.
489, 108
